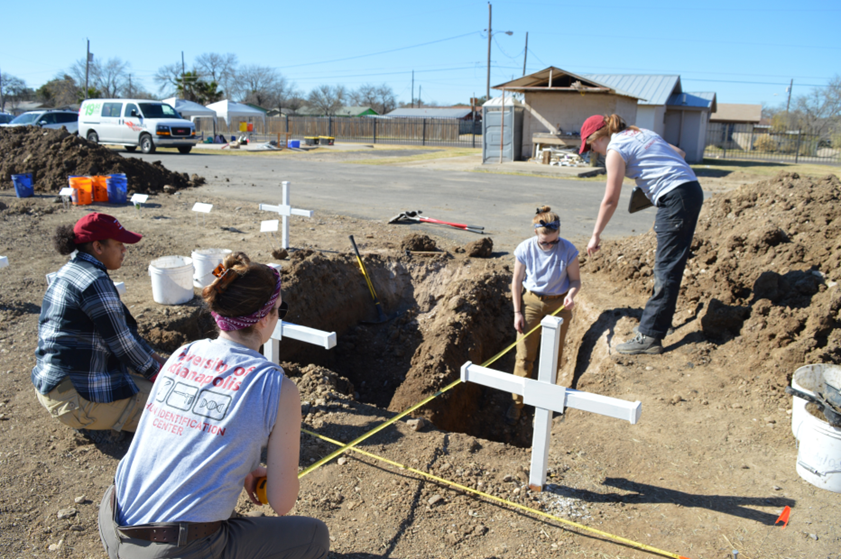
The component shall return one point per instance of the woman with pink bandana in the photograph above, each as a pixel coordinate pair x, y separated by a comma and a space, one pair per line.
214, 406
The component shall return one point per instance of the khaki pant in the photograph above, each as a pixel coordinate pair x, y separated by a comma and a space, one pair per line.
268, 537
534, 309
66, 405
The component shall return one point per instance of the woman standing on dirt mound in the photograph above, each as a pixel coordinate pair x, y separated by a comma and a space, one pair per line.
670, 184
546, 265
214, 406
87, 338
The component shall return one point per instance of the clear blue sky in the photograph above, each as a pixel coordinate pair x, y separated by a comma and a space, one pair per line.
745, 51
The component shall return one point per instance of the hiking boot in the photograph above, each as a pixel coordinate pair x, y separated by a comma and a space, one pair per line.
512, 416
107, 436
641, 344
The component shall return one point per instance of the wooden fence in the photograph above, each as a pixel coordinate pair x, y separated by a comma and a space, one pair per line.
422, 131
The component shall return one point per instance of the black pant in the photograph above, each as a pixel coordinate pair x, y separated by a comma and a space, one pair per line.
677, 215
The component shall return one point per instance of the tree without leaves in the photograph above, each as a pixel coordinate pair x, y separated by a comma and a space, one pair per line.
109, 78
380, 98
819, 111
265, 87
218, 68
168, 78
327, 99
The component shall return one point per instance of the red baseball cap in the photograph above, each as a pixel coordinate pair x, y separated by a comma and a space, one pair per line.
591, 125
98, 227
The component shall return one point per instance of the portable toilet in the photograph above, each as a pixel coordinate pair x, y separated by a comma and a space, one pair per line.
505, 122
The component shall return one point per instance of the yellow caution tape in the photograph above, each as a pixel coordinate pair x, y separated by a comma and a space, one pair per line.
576, 525
398, 417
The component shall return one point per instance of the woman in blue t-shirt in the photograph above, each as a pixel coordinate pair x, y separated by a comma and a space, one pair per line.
546, 278
214, 405
670, 184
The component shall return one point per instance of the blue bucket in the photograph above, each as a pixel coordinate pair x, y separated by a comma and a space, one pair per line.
23, 185
117, 189
295, 143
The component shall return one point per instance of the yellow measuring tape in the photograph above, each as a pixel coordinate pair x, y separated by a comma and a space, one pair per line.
403, 414
576, 525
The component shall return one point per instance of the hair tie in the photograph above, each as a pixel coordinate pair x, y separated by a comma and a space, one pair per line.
538, 212
224, 278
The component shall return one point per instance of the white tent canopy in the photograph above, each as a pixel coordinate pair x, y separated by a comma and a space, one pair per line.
189, 109
510, 101
229, 110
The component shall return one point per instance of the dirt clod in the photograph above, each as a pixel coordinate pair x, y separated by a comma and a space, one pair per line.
280, 254
483, 248
418, 242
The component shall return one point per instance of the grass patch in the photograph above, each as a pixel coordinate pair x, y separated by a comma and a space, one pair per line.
435, 153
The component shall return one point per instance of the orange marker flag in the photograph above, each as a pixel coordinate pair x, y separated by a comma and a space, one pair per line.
784, 517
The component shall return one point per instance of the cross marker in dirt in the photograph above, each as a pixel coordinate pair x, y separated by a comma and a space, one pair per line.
327, 340
547, 397
285, 210
3, 261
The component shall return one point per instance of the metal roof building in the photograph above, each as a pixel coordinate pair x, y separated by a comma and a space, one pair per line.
430, 112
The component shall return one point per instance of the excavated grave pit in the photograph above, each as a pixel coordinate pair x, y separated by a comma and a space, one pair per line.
443, 312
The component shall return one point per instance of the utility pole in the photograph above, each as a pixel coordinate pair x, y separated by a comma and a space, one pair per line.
488, 84
182, 74
2, 103
526, 53
129, 87
420, 103
87, 64
790, 87
413, 89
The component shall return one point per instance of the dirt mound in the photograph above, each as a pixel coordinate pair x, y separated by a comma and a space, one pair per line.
483, 248
763, 274
419, 242
53, 155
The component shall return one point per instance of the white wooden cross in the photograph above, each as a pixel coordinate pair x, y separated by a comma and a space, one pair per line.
285, 210
547, 397
271, 350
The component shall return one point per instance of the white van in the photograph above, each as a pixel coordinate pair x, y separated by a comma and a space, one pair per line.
135, 122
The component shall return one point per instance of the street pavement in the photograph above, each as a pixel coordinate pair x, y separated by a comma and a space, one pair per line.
503, 204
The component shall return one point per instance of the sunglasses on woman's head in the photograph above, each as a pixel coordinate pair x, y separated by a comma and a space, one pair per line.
282, 310
548, 243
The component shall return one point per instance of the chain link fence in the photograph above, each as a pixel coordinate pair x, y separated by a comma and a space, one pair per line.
749, 141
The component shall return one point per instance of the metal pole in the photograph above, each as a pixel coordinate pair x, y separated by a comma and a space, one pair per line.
420, 103
502, 126
488, 84
183, 88
526, 53
423, 140
788, 103
473, 114
87, 63
413, 89
797, 153
2, 102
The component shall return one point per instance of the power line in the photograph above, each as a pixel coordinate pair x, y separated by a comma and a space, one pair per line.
382, 52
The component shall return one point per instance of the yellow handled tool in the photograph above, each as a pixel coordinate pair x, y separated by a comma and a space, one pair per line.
381, 317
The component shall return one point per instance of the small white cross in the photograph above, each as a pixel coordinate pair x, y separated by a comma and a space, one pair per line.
547, 397
285, 210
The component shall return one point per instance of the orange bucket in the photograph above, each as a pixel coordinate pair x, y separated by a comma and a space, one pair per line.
82, 190
100, 189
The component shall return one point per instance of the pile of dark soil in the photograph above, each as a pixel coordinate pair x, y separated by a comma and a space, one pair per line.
53, 155
418, 242
764, 271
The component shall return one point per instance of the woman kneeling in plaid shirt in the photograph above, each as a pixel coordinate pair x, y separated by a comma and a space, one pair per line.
87, 338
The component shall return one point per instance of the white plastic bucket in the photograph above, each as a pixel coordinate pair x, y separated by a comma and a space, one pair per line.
172, 280
204, 261
819, 443
810, 379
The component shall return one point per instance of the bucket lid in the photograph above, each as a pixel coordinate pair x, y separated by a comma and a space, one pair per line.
171, 262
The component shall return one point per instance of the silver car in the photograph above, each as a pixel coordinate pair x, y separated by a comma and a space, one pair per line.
50, 118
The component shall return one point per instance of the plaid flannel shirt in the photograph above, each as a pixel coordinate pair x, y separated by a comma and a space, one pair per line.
86, 333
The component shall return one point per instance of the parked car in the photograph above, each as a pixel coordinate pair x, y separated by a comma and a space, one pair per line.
48, 118
6, 118
135, 123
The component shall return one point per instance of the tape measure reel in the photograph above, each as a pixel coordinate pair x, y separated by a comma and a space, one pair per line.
261, 490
